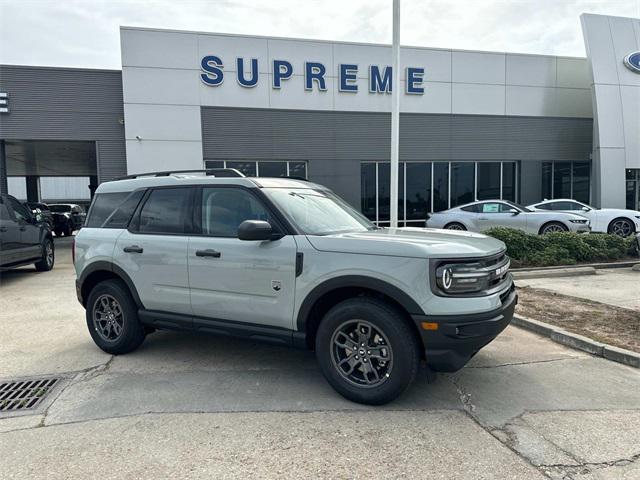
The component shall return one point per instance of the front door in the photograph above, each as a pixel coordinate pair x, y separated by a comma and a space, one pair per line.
29, 232
498, 214
231, 279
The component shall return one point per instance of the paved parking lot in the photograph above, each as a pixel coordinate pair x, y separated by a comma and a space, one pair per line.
192, 407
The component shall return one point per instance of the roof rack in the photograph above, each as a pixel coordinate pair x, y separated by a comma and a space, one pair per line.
216, 172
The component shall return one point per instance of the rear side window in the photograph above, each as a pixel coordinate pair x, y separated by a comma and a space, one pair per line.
120, 218
470, 208
103, 205
544, 206
164, 211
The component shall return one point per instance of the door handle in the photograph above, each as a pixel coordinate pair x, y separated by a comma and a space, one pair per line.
208, 253
3, 229
483, 218
133, 249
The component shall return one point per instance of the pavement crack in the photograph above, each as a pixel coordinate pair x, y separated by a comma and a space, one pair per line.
533, 362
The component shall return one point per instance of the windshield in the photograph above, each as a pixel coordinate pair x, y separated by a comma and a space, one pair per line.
318, 212
60, 208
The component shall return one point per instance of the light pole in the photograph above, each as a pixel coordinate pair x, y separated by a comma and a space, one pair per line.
395, 116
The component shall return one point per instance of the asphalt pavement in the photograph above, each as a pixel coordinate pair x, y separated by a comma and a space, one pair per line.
192, 406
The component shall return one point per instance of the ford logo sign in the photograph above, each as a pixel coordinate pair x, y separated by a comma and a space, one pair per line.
632, 62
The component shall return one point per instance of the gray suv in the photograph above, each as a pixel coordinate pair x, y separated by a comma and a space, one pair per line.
287, 261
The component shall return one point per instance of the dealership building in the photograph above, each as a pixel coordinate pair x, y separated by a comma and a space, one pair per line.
473, 125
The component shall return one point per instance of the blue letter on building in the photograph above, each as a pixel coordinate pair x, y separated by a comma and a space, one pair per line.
253, 81
347, 75
212, 66
378, 83
314, 71
414, 80
282, 70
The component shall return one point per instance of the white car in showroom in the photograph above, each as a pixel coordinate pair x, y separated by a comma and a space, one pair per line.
607, 220
483, 215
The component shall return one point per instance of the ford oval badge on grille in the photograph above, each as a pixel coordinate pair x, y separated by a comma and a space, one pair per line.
632, 62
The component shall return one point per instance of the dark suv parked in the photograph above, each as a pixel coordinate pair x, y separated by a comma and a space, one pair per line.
41, 209
23, 238
67, 217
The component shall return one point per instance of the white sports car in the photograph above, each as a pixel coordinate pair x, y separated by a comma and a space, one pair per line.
486, 214
607, 220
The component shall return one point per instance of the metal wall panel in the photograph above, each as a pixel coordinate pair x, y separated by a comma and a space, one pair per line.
335, 143
67, 104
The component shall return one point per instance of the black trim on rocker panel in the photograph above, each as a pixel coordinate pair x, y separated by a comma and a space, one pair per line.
355, 281
110, 267
250, 331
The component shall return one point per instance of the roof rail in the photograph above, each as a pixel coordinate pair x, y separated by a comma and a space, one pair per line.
216, 172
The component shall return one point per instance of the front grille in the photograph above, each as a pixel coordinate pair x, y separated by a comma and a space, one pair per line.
25, 394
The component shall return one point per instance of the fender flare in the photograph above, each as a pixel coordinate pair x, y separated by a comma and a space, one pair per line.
102, 265
358, 281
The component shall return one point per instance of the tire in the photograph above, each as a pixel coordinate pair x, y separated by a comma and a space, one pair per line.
68, 230
552, 227
125, 333
387, 328
48, 256
455, 226
622, 227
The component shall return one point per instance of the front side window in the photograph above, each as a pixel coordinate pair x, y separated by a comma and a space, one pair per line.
224, 209
494, 208
20, 212
165, 211
318, 212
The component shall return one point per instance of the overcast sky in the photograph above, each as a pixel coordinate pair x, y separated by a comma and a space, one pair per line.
85, 33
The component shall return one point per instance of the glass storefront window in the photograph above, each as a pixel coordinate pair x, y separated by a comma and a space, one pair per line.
418, 191
462, 183
566, 180
509, 181
272, 169
488, 180
247, 168
440, 186
298, 169
368, 190
562, 180
581, 187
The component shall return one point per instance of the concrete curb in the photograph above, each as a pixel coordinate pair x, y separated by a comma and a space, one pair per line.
579, 342
553, 273
597, 266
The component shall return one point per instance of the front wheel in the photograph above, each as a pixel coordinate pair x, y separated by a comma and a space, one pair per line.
553, 227
112, 318
48, 256
622, 227
367, 351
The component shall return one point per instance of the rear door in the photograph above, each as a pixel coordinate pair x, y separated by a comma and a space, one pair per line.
231, 279
153, 251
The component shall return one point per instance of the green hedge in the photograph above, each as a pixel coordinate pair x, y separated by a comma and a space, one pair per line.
563, 248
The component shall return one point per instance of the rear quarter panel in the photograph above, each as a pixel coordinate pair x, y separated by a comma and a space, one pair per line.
93, 245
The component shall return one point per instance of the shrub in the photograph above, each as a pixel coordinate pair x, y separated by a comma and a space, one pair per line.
563, 248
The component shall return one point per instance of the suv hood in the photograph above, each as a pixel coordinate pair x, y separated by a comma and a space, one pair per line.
410, 242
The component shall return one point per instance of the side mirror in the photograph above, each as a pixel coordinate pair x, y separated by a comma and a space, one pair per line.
514, 211
39, 217
255, 230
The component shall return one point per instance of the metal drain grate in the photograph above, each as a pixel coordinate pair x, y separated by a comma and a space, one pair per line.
24, 394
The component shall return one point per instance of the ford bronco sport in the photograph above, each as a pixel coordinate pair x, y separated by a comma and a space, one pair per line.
287, 261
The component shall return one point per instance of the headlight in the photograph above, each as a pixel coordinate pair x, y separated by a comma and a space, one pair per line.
459, 277
579, 221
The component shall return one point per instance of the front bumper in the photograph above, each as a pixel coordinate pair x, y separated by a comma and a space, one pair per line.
458, 338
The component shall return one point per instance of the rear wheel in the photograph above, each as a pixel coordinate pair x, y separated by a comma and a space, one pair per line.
48, 256
112, 318
622, 227
455, 226
552, 227
367, 351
